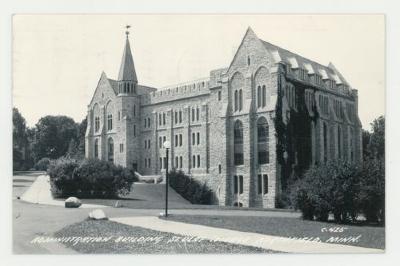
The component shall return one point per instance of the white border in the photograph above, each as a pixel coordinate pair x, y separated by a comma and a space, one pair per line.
390, 8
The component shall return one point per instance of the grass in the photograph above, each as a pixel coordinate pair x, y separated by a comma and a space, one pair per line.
156, 242
371, 237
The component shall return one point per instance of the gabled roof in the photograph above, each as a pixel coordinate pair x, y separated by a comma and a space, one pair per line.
127, 68
295, 60
114, 85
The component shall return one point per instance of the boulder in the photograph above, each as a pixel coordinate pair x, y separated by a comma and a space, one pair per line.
97, 214
72, 202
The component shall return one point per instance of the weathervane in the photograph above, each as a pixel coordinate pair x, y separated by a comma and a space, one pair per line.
127, 30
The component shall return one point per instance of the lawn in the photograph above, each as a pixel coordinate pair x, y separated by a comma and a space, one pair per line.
368, 236
123, 239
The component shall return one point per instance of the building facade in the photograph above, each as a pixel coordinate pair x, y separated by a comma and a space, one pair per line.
245, 130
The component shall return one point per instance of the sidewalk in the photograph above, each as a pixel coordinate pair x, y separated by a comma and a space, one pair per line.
39, 193
242, 238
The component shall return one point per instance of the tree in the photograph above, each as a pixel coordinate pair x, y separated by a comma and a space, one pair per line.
374, 142
53, 136
21, 148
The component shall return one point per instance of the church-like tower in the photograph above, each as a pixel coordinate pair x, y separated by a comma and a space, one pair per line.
127, 79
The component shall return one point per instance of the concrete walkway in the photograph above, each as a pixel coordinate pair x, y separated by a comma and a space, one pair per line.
39, 193
242, 238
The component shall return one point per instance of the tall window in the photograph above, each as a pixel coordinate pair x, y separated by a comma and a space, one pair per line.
160, 143
197, 113
180, 161
325, 139
96, 124
238, 143
219, 96
240, 100
238, 184
193, 138
176, 162
96, 148
193, 114
159, 119
164, 119
236, 100
110, 150
194, 161
198, 161
121, 147
339, 141
134, 130
198, 138
262, 184
148, 121
176, 117
219, 169
180, 116
262, 140
134, 110
180, 139
109, 122
176, 140
259, 97
264, 96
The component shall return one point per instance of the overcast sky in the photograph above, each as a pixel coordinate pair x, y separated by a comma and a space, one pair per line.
58, 59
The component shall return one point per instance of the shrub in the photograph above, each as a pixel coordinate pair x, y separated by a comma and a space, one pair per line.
90, 179
62, 177
189, 188
328, 188
42, 164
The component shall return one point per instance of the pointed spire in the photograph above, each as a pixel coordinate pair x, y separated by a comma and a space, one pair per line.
127, 69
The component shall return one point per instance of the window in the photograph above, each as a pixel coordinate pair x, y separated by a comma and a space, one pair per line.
198, 138
160, 142
176, 162
176, 117
238, 184
238, 143
236, 101
119, 115
96, 148
134, 130
164, 139
134, 110
265, 183
145, 162
264, 96
160, 163
193, 138
164, 119
96, 124
165, 162
176, 140
180, 116
110, 150
259, 97
180, 140
240, 100
219, 169
180, 162
121, 147
198, 161
325, 140
339, 142
145, 122
194, 161
197, 113
148, 121
149, 163
248, 60
219, 96
159, 119
193, 113
109, 122
259, 184
262, 140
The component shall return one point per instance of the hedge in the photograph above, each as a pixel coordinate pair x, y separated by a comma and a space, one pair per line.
189, 188
91, 178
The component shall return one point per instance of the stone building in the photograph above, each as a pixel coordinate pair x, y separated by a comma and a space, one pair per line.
245, 130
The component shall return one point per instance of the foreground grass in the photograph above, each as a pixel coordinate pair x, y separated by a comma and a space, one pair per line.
371, 237
142, 241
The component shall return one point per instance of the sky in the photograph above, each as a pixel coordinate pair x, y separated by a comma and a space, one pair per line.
58, 59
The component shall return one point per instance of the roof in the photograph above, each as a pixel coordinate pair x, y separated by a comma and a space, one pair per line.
114, 85
127, 68
282, 55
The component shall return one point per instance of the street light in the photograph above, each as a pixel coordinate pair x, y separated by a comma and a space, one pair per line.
167, 146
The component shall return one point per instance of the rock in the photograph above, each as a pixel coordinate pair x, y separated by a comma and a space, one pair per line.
97, 214
72, 202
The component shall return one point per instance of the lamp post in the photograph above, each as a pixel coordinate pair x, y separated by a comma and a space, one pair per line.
167, 146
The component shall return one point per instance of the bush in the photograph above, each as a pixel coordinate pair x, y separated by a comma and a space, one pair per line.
42, 164
90, 179
331, 188
189, 188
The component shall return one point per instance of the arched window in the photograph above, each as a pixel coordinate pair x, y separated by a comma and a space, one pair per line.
238, 142
264, 96
325, 140
236, 100
240, 100
262, 140
96, 148
96, 124
110, 150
